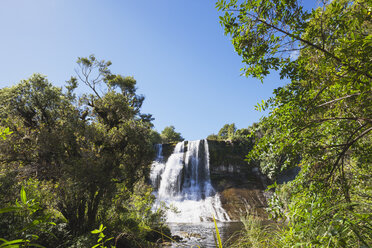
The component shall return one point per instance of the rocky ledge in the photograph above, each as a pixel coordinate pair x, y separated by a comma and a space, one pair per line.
239, 183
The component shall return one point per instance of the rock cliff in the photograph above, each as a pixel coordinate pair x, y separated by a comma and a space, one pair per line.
240, 184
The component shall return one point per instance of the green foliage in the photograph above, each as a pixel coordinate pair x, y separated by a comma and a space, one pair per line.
155, 137
315, 218
85, 151
321, 121
230, 133
257, 234
263, 31
101, 237
136, 221
34, 221
212, 137
4, 133
227, 131
169, 135
230, 146
275, 204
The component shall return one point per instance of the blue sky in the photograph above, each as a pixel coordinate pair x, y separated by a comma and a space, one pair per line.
175, 49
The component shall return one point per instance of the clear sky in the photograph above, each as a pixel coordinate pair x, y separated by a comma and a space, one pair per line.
175, 49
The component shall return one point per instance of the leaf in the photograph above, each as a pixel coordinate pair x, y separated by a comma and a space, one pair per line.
109, 239
217, 233
36, 245
14, 242
9, 209
23, 196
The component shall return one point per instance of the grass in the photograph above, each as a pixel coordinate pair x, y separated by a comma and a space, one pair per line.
256, 234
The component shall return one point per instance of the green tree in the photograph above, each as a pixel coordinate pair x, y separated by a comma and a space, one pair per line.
323, 117
155, 137
227, 131
90, 148
170, 135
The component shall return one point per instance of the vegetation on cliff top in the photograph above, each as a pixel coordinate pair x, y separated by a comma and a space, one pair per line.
169, 135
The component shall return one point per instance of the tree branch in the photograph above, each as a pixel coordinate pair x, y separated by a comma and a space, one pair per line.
86, 81
343, 118
296, 37
347, 143
346, 148
339, 99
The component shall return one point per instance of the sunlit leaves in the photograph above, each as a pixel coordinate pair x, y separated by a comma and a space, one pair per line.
89, 146
263, 32
322, 119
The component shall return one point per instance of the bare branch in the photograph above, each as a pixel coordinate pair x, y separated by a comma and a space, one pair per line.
346, 148
86, 81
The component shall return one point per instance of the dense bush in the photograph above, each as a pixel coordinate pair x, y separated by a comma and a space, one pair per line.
321, 120
83, 159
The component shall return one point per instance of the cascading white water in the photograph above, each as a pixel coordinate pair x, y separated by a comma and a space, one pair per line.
158, 167
183, 183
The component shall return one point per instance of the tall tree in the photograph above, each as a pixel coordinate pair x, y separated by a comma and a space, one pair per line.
170, 135
91, 151
227, 131
324, 115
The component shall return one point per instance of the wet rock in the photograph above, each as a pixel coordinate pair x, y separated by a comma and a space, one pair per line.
240, 184
177, 238
239, 201
187, 235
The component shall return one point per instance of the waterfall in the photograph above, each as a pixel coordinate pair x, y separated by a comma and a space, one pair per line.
157, 167
183, 184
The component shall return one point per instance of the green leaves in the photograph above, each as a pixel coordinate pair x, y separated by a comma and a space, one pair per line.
99, 230
261, 106
31, 222
101, 241
5, 132
9, 209
169, 135
90, 146
321, 120
18, 243
23, 196
263, 32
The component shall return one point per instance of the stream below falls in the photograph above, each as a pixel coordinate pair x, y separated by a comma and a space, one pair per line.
201, 234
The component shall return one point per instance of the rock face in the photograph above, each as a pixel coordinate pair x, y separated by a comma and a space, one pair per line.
241, 185
167, 150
